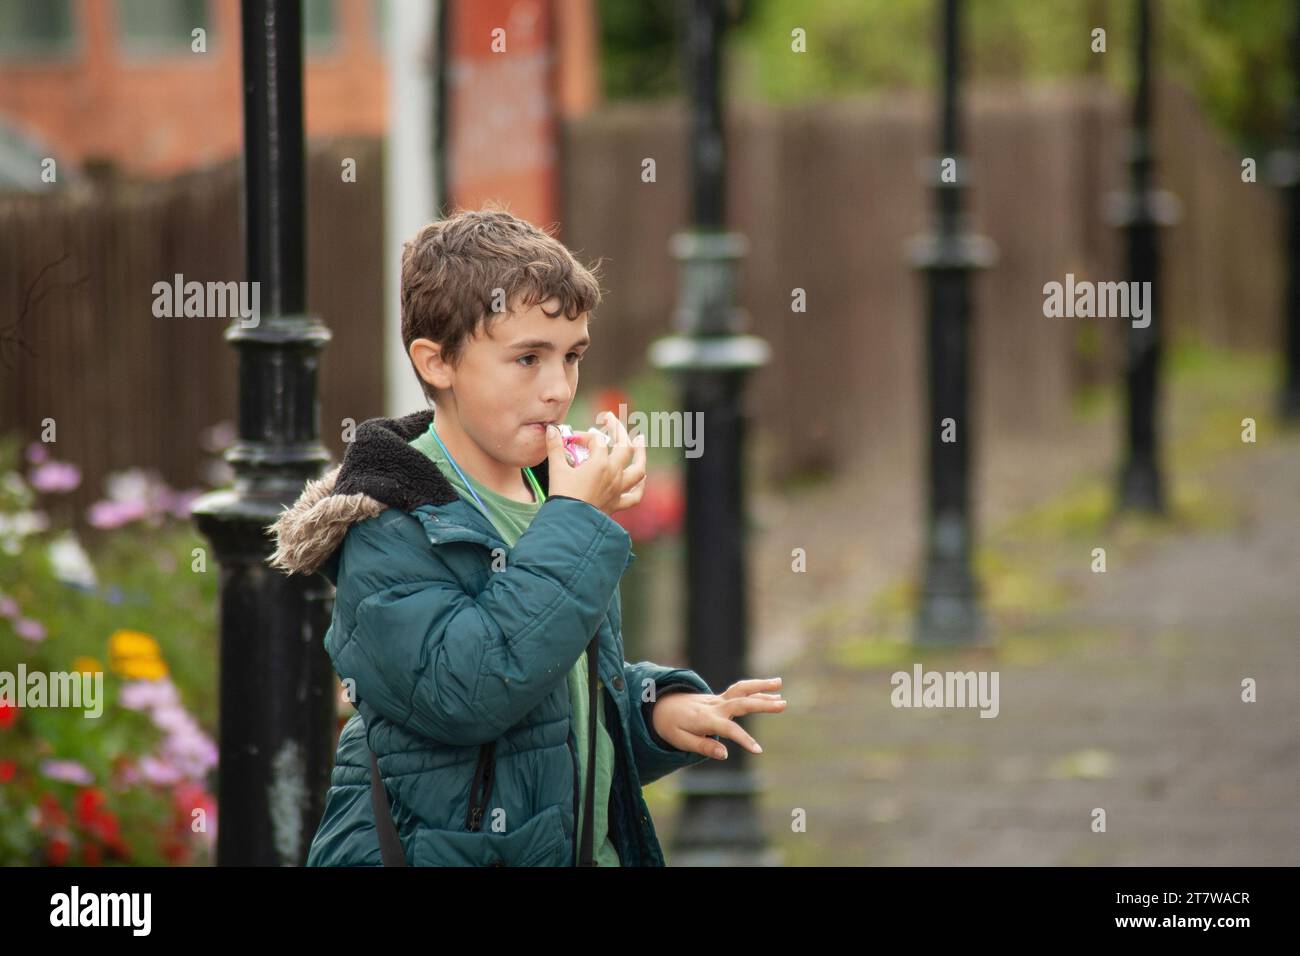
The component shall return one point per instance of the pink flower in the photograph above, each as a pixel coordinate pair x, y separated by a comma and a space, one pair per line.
68, 771
29, 630
37, 452
53, 477
156, 771
171, 718
114, 514
148, 694
178, 503
8, 606
186, 752
136, 495
192, 754
218, 437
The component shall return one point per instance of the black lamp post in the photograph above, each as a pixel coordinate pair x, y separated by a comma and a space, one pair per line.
1288, 177
950, 607
277, 702
1140, 213
711, 360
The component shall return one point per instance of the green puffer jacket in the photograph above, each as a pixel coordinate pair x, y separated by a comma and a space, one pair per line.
448, 654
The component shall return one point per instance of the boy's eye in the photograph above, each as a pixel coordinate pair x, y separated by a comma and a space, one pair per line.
573, 358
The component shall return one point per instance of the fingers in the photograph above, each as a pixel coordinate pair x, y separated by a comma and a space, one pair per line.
621, 443
638, 466
711, 748
716, 718
743, 688
633, 495
555, 450
754, 704
633, 476
615, 429
758, 703
733, 731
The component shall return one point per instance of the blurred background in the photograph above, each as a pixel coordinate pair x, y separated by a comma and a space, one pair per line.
1124, 687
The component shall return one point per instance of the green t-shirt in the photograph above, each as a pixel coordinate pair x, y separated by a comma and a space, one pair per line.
511, 519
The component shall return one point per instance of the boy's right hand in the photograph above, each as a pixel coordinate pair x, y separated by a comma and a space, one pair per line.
602, 479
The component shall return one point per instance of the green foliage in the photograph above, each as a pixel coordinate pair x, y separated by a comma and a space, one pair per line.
1232, 55
638, 49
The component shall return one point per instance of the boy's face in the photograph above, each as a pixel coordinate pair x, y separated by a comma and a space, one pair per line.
524, 371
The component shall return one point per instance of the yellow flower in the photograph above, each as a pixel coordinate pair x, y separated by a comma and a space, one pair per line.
136, 655
131, 643
87, 665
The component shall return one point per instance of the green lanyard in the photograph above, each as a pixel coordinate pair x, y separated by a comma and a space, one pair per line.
537, 488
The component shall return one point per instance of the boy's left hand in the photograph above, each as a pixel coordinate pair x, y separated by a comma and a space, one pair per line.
686, 720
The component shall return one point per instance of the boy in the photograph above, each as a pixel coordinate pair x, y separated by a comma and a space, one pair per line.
477, 615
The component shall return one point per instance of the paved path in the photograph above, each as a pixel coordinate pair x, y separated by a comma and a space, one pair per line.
1119, 691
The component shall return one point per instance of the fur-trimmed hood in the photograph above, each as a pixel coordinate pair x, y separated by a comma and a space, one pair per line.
380, 470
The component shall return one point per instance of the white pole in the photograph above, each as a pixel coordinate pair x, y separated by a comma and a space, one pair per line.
409, 200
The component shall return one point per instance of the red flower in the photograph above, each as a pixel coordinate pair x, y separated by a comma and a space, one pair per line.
8, 714
7, 770
609, 400
186, 797
176, 852
104, 826
57, 850
660, 510
90, 855
89, 803
52, 815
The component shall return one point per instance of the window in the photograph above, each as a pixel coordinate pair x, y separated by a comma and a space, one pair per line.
154, 27
381, 17
320, 26
36, 28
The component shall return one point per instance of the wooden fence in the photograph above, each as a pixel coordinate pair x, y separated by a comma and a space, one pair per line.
126, 388
827, 195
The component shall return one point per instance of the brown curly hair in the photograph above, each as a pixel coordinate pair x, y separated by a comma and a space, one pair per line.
454, 269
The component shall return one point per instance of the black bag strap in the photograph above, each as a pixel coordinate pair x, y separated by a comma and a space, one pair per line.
390, 848
585, 851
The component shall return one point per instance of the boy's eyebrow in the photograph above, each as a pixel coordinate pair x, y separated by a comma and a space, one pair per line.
543, 345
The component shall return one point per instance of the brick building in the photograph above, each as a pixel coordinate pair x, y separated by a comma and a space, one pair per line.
130, 83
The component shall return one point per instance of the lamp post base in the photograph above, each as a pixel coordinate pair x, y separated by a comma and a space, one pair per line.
1140, 489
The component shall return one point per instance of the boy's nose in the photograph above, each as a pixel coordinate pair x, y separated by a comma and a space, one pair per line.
557, 390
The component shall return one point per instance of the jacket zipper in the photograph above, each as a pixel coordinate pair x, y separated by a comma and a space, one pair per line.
476, 814
480, 787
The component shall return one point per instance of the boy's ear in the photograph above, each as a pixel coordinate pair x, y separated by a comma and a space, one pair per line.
426, 355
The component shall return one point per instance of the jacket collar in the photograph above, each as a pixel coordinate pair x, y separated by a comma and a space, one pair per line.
380, 470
